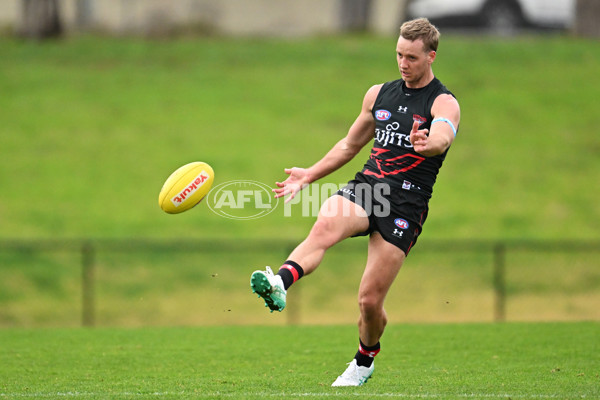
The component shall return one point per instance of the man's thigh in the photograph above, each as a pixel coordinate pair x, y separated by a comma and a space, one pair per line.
342, 217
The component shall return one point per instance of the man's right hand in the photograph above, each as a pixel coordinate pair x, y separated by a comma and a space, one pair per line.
297, 180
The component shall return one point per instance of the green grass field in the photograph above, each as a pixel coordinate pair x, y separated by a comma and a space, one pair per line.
452, 361
90, 128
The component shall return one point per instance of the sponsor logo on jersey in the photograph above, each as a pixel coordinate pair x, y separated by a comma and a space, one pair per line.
401, 223
383, 115
419, 119
393, 165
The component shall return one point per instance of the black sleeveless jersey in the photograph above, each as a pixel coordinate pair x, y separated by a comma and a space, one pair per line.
393, 159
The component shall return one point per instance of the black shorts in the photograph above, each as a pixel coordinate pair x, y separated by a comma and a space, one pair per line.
397, 214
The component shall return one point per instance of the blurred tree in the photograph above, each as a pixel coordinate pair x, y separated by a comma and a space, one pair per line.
355, 14
587, 16
83, 14
40, 19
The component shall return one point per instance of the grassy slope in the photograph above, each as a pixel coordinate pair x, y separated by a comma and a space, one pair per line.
144, 287
91, 128
425, 361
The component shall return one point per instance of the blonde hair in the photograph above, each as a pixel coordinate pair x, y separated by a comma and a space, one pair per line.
421, 28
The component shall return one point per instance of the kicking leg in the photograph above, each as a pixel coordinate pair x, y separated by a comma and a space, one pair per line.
338, 219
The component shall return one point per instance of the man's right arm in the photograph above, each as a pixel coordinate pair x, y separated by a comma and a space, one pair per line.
359, 134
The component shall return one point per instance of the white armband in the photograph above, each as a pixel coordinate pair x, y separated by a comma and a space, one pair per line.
445, 120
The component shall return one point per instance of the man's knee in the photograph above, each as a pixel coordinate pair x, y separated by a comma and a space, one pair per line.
370, 305
324, 232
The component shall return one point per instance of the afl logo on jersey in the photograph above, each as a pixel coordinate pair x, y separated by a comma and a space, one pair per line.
383, 115
401, 223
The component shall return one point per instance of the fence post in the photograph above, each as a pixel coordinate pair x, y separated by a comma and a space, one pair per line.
87, 284
500, 282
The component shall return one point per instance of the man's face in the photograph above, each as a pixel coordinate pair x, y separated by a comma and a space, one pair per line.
414, 62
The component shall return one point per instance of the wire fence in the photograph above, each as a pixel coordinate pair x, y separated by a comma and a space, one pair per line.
146, 281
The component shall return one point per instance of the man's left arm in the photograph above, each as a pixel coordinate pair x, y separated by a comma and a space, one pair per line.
446, 118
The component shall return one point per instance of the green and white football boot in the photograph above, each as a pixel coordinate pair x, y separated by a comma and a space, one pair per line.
270, 288
354, 375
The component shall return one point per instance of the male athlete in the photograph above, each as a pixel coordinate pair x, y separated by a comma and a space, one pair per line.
412, 123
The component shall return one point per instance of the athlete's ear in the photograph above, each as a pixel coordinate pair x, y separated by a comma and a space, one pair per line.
431, 56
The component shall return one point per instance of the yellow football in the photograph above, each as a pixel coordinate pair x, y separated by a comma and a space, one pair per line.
186, 187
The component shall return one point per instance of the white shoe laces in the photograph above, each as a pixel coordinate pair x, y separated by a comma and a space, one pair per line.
275, 281
353, 375
351, 372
